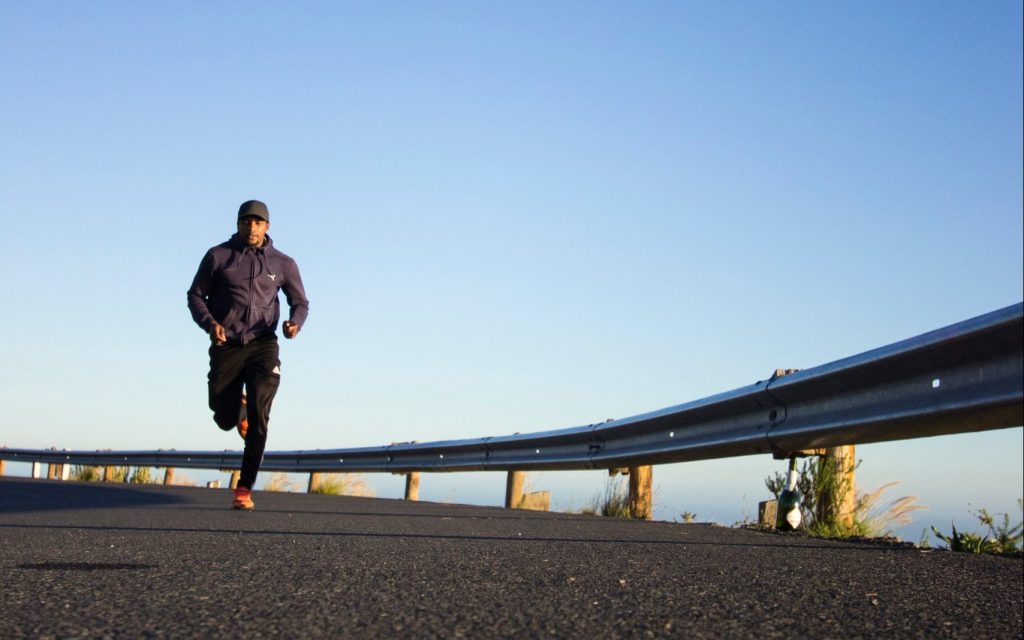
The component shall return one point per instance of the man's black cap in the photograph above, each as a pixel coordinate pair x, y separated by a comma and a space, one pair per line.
254, 209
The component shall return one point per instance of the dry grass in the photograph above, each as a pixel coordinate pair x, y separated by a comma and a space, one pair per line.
343, 484
281, 483
879, 520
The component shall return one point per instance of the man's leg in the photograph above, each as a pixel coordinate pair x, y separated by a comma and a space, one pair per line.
225, 384
262, 375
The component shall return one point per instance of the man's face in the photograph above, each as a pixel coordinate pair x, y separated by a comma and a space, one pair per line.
252, 230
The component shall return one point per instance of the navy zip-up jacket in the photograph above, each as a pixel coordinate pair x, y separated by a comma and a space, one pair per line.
237, 286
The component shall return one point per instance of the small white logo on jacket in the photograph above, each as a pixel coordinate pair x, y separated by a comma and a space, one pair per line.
272, 276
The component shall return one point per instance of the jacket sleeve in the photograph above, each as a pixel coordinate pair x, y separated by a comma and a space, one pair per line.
199, 292
295, 294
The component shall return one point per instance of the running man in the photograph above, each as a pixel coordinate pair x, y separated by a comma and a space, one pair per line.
234, 299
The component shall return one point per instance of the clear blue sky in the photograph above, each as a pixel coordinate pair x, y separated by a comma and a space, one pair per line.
509, 217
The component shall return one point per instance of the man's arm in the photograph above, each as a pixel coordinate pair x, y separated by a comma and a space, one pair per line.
298, 304
197, 296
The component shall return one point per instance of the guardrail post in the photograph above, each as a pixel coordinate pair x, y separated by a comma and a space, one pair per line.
767, 513
233, 482
640, 480
3, 465
314, 482
841, 507
514, 489
169, 475
108, 474
51, 471
65, 472
35, 470
412, 485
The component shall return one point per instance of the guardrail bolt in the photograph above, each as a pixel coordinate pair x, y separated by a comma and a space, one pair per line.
640, 495
412, 485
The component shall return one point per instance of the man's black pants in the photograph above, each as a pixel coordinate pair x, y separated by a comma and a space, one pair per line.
257, 366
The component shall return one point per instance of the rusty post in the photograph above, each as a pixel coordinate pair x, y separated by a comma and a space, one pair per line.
640, 500
412, 485
169, 475
3, 465
233, 482
108, 474
514, 489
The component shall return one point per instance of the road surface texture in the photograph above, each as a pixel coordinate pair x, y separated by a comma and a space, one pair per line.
93, 561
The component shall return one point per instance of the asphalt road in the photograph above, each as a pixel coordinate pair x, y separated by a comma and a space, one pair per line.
91, 560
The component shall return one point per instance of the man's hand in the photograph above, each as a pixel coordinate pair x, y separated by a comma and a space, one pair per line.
290, 329
217, 334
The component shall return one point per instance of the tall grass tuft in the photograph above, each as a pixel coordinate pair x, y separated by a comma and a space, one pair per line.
613, 502
144, 475
84, 473
280, 482
343, 484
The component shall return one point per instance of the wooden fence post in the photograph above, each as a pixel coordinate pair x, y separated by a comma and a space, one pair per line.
640, 502
845, 503
767, 513
314, 482
514, 489
169, 475
412, 485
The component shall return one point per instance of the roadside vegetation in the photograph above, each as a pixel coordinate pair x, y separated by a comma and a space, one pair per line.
281, 483
343, 484
132, 475
1000, 537
821, 486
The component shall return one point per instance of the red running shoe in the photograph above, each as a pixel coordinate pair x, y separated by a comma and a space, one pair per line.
243, 420
243, 499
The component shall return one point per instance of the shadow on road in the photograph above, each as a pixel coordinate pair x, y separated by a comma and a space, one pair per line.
23, 495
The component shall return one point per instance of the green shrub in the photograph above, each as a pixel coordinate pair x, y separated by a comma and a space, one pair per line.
1001, 538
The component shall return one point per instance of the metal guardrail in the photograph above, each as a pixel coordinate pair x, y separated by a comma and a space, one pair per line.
962, 378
